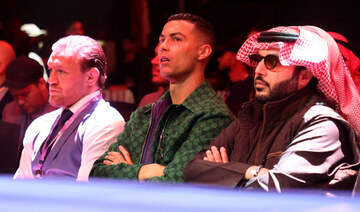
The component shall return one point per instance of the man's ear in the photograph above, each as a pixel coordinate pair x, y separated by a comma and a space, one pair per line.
205, 51
93, 76
304, 78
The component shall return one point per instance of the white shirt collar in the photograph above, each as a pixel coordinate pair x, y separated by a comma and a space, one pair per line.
75, 107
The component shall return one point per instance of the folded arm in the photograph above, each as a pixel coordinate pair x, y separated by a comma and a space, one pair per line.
145, 172
308, 160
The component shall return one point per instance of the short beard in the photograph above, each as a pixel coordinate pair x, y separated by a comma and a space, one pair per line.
280, 90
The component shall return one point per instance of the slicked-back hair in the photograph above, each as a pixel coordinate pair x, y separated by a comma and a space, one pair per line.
87, 51
201, 25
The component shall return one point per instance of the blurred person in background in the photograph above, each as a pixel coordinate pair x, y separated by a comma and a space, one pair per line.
24, 78
240, 87
351, 60
161, 84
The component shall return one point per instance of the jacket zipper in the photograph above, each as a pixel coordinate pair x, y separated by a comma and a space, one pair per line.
167, 119
166, 122
260, 138
142, 149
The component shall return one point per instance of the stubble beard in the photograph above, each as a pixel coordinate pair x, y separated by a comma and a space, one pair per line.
279, 90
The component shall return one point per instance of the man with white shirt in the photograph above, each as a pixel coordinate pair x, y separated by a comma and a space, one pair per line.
67, 141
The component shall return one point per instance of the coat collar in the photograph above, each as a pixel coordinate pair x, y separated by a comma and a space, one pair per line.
278, 110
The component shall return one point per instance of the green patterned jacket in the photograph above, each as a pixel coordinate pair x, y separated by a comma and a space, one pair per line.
188, 129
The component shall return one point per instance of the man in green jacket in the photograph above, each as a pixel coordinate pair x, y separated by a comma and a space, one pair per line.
161, 138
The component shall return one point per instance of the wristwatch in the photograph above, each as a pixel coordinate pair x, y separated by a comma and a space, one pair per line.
255, 172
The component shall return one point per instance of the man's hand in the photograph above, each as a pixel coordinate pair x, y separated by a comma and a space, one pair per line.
114, 158
150, 170
252, 169
214, 155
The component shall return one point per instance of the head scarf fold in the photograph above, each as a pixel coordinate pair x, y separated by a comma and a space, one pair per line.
351, 60
318, 52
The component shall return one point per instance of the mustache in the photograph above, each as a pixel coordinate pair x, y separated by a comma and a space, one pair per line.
260, 78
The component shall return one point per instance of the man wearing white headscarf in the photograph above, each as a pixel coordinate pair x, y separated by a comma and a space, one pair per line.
301, 129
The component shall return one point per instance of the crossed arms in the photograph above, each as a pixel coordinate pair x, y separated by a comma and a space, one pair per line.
146, 171
315, 152
157, 170
214, 155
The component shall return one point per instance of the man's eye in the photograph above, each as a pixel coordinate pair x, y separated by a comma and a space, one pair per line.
177, 39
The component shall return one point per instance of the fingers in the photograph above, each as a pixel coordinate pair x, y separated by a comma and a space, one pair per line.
126, 155
210, 156
107, 162
115, 158
224, 155
216, 154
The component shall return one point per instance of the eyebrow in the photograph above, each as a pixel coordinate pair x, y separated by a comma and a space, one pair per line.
53, 66
173, 34
268, 53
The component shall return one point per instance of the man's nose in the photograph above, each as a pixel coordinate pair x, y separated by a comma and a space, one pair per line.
155, 60
261, 69
52, 78
21, 101
164, 45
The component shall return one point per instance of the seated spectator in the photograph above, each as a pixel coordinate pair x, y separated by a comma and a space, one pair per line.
67, 141
132, 68
292, 134
161, 84
240, 88
75, 28
24, 78
219, 80
160, 139
7, 54
9, 131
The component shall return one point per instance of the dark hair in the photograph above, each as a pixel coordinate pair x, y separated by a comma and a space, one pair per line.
299, 68
201, 25
312, 83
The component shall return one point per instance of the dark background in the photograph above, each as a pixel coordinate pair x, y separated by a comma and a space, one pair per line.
229, 17
110, 20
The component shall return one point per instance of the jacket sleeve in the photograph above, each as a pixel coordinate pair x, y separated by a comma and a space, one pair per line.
205, 129
223, 174
313, 157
